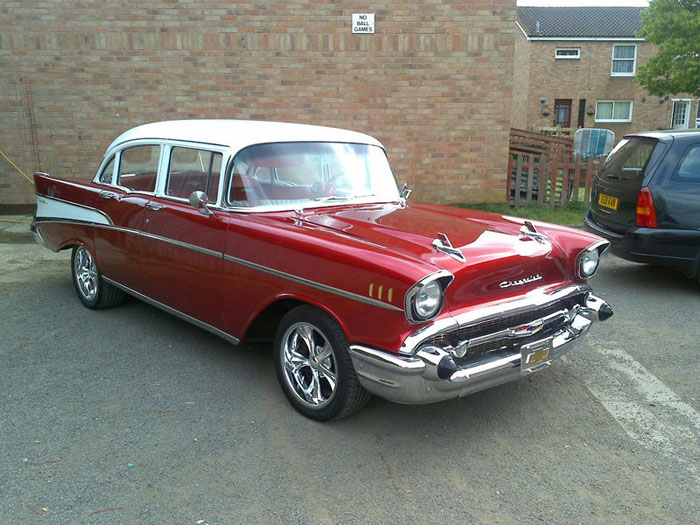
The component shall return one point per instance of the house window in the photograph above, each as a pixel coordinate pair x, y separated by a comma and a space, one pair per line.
571, 53
624, 60
697, 116
680, 116
613, 111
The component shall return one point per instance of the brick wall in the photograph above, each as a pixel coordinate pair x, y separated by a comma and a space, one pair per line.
588, 78
433, 83
521, 82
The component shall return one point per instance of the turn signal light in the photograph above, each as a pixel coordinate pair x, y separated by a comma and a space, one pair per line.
646, 214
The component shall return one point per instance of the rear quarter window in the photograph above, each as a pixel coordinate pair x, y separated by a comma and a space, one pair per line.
688, 169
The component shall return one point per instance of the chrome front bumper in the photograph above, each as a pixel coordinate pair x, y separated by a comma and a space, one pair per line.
435, 373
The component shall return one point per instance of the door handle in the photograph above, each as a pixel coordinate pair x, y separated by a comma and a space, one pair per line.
108, 195
155, 206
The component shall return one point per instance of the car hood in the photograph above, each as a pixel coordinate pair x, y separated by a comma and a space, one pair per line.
499, 260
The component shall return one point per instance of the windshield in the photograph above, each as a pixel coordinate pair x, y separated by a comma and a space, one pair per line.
301, 174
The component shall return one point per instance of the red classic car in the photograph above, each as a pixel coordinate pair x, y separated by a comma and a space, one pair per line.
301, 234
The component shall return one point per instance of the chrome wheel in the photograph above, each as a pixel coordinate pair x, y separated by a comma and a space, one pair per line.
309, 364
85, 271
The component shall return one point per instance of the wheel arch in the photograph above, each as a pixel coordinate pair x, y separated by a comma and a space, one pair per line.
263, 326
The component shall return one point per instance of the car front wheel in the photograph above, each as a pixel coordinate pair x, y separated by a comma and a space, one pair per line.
89, 285
314, 366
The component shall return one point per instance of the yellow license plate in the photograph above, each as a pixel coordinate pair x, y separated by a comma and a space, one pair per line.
608, 201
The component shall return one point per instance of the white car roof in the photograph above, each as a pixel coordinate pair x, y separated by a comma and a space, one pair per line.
237, 134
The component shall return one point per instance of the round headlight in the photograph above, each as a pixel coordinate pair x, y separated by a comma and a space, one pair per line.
589, 263
428, 300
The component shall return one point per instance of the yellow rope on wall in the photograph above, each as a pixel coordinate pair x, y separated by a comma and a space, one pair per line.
15, 166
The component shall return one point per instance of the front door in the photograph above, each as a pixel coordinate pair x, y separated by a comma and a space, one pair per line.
562, 112
680, 116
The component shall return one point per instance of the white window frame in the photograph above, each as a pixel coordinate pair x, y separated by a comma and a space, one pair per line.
634, 61
629, 119
577, 56
688, 104
697, 116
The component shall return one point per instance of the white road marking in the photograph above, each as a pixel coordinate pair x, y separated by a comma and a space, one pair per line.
649, 412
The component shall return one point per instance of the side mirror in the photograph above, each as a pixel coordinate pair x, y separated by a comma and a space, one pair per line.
199, 200
405, 192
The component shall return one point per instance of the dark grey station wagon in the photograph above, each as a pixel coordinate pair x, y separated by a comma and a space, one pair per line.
646, 200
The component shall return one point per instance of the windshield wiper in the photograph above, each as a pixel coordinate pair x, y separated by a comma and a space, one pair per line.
363, 196
332, 198
344, 197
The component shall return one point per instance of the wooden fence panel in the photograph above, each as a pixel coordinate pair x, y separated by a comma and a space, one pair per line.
542, 179
530, 176
577, 179
553, 181
518, 180
542, 169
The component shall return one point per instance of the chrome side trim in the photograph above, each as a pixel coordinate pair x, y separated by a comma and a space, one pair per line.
168, 240
313, 284
173, 311
534, 299
230, 258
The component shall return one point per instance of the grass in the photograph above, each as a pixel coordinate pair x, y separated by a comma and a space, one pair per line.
569, 215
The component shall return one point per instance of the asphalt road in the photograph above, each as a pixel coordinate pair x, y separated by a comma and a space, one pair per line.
132, 416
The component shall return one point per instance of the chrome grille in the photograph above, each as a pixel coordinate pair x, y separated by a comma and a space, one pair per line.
480, 329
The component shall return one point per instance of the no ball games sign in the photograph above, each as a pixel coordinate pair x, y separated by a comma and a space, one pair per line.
363, 23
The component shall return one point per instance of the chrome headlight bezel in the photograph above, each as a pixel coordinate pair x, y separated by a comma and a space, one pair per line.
588, 260
426, 290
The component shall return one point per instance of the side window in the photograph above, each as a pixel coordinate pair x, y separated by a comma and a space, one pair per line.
106, 175
689, 166
193, 170
138, 168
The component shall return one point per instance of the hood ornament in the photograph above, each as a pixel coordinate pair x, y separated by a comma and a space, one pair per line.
529, 231
443, 244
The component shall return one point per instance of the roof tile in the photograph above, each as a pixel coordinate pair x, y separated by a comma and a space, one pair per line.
584, 22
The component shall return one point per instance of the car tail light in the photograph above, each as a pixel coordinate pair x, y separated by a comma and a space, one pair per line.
646, 214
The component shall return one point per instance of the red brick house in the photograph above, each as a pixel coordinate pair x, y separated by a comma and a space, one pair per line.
575, 67
433, 82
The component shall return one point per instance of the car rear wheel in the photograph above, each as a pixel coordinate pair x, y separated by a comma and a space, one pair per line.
92, 290
314, 366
